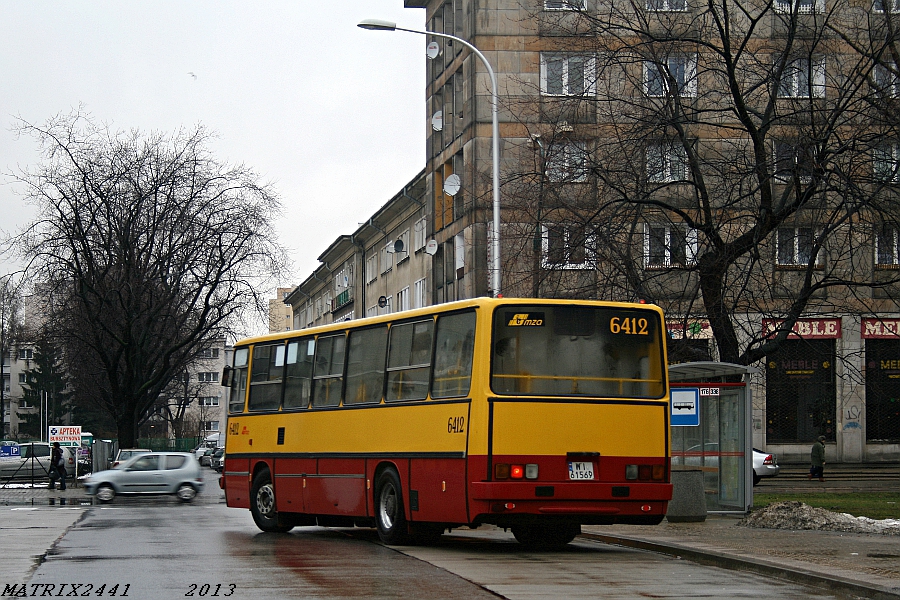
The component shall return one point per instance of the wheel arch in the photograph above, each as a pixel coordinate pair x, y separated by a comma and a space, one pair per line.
380, 468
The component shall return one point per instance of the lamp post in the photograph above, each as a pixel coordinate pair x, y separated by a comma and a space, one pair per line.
494, 242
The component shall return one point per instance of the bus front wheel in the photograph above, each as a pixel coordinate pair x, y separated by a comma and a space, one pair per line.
389, 516
546, 536
262, 505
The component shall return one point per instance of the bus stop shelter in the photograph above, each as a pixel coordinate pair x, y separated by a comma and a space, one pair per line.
710, 428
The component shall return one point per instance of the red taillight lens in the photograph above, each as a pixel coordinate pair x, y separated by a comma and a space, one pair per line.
644, 471
659, 472
769, 460
517, 471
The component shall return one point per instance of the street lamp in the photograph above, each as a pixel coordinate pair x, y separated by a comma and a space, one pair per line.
379, 25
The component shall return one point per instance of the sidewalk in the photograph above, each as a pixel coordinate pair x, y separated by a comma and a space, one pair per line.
31, 522
864, 565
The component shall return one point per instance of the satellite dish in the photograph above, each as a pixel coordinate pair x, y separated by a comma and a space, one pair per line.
452, 185
382, 302
431, 247
398, 246
433, 50
437, 121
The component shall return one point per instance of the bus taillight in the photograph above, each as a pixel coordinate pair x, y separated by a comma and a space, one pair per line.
507, 471
645, 472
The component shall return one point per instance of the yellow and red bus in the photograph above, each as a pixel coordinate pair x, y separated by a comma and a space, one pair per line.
535, 415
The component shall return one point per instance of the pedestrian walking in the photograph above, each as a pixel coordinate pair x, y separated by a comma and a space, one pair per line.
57, 467
817, 458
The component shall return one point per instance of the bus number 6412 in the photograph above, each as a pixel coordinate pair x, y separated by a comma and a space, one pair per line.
456, 425
628, 326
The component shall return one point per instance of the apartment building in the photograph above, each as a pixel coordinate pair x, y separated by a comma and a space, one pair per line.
742, 177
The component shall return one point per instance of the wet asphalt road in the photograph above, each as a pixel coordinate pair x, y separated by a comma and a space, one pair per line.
159, 548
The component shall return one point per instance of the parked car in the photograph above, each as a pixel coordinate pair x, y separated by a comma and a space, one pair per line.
127, 454
215, 457
765, 464
206, 456
33, 461
150, 473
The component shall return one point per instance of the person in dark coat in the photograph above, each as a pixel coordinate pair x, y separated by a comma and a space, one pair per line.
817, 458
57, 467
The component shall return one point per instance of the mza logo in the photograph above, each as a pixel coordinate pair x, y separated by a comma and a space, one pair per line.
525, 319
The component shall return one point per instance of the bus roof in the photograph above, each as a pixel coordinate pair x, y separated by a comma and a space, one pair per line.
483, 301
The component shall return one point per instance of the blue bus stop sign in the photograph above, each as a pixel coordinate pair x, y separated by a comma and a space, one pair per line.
685, 407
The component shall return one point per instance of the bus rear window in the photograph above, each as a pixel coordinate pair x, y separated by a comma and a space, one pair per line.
540, 350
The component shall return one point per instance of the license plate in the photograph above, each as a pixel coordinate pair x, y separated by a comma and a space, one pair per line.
581, 470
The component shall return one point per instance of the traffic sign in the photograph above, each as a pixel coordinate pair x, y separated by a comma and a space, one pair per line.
685, 407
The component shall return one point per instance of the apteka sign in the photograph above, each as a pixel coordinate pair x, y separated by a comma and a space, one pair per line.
66, 435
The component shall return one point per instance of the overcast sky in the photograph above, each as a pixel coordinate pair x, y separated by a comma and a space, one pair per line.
332, 115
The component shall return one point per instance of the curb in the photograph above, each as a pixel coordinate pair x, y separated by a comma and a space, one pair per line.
756, 566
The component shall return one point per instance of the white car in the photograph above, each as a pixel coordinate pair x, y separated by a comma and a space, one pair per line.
33, 461
765, 464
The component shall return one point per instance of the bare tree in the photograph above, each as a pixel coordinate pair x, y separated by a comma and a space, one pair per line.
715, 158
150, 248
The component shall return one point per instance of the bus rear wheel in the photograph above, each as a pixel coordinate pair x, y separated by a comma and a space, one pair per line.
262, 505
546, 536
390, 518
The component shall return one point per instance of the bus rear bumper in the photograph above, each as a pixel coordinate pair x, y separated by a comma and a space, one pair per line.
491, 491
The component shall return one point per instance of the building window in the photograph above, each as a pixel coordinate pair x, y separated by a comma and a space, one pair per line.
387, 261
211, 425
794, 160
403, 299
209, 400
567, 162
567, 246
23, 378
26, 354
207, 377
666, 163
886, 253
887, 82
567, 74
564, 4
419, 235
372, 311
421, 298
803, 78
209, 353
799, 6
893, 6
404, 239
795, 245
886, 162
388, 305
677, 71
372, 268
667, 5
669, 246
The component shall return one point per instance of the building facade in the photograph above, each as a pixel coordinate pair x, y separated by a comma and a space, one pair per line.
750, 192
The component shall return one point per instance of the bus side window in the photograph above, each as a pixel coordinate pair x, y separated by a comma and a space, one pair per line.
266, 377
238, 381
454, 344
328, 374
298, 373
365, 365
409, 361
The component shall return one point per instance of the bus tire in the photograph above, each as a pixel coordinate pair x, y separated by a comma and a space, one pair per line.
390, 519
262, 505
546, 536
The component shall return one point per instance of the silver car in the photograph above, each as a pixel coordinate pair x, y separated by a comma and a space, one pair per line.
33, 461
154, 473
